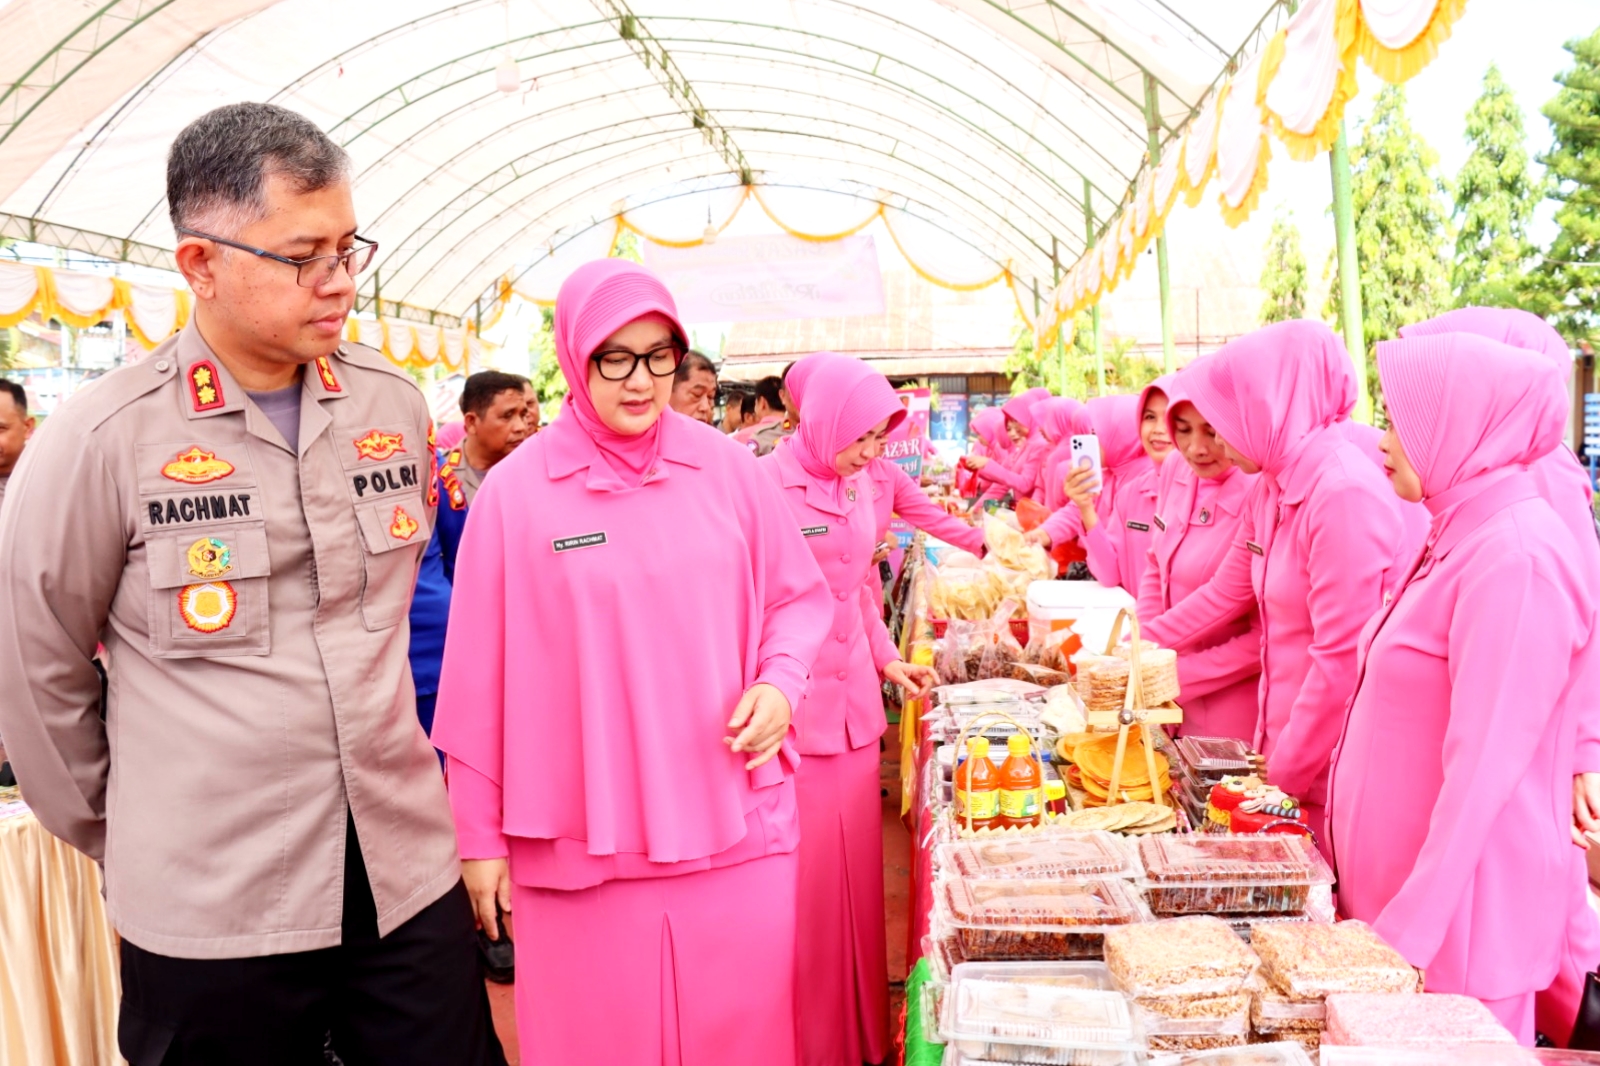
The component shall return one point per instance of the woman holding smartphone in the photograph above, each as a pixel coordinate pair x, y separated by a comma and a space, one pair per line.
633, 618
842, 1004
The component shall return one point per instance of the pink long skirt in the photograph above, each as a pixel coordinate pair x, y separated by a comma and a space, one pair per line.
842, 996
669, 971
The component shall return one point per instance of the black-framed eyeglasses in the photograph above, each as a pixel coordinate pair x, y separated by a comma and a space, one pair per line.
618, 364
312, 272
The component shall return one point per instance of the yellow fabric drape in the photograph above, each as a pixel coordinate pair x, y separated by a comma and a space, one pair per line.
1398, 65
59, 986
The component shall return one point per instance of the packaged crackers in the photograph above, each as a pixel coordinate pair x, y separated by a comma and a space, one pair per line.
1042, 856
1196, 956
1064, 1013
1309, 961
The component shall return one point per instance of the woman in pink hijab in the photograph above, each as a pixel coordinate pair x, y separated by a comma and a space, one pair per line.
1020, 472
1200, 505
634, 615
893, 491
1451, 787
1322, 541
1116, 421
1563, 484
1119, 546
842, 1002
989, 426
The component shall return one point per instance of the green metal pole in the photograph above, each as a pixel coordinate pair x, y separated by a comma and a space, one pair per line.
1344, 225
1061, 344
1153, 122
1094, 312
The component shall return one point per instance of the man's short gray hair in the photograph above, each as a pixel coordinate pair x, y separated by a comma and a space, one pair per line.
693, 361
217, 169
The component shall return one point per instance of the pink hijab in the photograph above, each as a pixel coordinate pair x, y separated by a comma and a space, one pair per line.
1053, 417
595, 301
1163, 385
1465, 406
1020, 409
1266, 392
990, 425
801, 373
1520, 329
1115, 420
849, 399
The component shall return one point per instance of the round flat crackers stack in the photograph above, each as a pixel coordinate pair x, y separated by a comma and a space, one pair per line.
1095, 759
1133, 818
1103, 679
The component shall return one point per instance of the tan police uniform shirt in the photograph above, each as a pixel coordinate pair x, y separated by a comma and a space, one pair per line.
252, 602
3, 481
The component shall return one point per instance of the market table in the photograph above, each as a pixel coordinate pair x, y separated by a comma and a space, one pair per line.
59, 985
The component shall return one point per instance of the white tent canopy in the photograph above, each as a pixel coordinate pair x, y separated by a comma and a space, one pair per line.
984, 120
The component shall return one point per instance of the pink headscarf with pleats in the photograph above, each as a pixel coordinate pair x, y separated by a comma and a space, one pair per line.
1053, 417
848, 398
1520, 329
1465, 405
989, 425
1266, 392
1115, 420
595, 301
1020, 408
800, 374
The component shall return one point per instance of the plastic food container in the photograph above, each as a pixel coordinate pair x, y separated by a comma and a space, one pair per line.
1225, 874
1194, 1023
1308, 960
1281, 1054
1197, 956
1456, 1055
1061, 855
1019, 919
1038, 1012
1401, 1020
1273, 1012
1213, 758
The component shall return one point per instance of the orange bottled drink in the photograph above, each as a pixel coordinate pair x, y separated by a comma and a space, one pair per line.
1021, 785
977, 786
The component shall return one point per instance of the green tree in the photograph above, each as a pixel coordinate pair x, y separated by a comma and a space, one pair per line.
1568, 277
1496, 195
1125, 369
1402, 228
547, 378
1283, 275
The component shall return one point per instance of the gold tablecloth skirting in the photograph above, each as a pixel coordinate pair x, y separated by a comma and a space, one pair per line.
59, 987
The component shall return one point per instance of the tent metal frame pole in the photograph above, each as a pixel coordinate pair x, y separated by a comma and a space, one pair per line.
1344, 224
1061, 344
1152, 119
1094, 312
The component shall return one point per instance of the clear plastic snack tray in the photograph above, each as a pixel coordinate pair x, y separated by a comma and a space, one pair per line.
1411, 1020
1060, 1012
1456, 1055
1195, 956
1215, 757
1202, 873
997, 919
1045, 856
1279, 1054
1313, 961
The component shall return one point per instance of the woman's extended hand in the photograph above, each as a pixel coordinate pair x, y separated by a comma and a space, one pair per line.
916, 681
1585, 807
488, 882
1039, 537
762, 717
976, 462
1081, 486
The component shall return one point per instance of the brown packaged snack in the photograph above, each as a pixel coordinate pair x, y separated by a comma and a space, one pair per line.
1226, 874
1020, 919
1310, 960
1196, 956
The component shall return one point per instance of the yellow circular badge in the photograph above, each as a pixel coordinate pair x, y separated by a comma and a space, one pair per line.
208, 608
209, 557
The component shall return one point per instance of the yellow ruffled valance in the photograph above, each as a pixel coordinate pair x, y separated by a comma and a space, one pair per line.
1294, 91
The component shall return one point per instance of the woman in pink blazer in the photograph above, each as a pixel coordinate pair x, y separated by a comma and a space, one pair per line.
1118, 423
634, 615
1563, 484
1200, 505
842, 1001
1321, 539
893, 491
1062, 419
1019, 473
1119, 546
989, 426
1451, 789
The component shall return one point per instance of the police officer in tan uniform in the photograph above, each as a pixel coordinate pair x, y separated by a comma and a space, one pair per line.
238, 518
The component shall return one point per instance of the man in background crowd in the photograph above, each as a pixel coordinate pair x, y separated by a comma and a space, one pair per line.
499, 411
738, 411
15, 428
694, 387
768, 427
